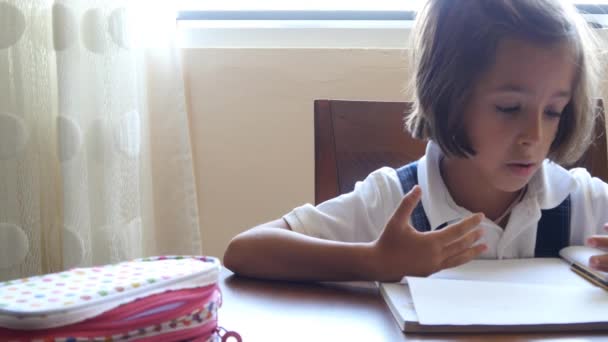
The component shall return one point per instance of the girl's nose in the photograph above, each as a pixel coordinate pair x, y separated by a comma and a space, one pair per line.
532, 130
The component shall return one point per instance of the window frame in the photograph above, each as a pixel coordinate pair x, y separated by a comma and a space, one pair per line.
313, 29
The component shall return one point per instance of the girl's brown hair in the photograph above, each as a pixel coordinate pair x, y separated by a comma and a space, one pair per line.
455, 42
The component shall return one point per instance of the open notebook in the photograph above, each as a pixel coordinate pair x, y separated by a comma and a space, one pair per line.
516, 295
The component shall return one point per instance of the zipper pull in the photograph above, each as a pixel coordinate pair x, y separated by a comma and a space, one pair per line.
225, 335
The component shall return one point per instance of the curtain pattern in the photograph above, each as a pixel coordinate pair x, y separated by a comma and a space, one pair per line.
95, 155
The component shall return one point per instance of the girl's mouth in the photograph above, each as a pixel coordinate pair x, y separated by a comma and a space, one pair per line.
521, 169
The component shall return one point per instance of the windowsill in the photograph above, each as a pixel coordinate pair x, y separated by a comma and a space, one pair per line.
294, 34
195, 36
221, 30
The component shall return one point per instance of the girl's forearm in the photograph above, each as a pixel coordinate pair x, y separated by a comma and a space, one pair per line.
275, 253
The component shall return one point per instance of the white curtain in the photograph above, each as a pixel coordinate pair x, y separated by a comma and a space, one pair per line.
95, 155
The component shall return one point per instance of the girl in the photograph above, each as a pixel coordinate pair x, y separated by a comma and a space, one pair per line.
503, 93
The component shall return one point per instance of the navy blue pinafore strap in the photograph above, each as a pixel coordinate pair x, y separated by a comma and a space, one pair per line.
553, 231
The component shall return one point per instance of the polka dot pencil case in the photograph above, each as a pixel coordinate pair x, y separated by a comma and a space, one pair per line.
169, 298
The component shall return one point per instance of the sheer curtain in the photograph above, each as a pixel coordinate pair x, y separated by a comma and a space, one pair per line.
95, 154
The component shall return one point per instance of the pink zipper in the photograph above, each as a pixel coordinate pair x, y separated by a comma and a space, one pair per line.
116, 321
202, 333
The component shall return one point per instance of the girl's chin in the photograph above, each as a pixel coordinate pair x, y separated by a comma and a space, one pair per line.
513, 184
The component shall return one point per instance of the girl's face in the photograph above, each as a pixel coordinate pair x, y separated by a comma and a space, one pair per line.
514, 111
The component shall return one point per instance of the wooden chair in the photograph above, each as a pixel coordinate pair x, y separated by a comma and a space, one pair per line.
354, 138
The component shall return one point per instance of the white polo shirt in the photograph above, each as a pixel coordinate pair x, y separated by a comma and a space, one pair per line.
360, 216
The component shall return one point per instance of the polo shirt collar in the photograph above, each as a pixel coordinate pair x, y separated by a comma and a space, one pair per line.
547, 189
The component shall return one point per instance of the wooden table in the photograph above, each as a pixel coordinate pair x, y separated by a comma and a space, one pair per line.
282, 311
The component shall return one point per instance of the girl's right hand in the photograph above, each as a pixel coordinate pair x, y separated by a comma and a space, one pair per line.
402, 250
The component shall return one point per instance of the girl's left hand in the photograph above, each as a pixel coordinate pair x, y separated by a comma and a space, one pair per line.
600, 261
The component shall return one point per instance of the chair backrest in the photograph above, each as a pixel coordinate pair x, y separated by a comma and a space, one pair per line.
354, 138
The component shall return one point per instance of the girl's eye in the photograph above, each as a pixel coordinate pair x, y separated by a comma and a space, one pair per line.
514, 109
508, 109
553, 113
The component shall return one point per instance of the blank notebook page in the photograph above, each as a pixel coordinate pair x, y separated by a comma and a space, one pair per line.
465, 302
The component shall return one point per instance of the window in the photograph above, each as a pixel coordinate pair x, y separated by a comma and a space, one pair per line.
321, 9
313, 23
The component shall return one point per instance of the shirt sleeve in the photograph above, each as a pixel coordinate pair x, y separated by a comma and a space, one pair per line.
358, 216
589, 206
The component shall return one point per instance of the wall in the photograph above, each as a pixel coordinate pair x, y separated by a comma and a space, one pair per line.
252, 125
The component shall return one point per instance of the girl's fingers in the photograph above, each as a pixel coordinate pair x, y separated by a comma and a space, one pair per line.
459, 245
599, 262
599, 241
455, 231
402, 214
464, 257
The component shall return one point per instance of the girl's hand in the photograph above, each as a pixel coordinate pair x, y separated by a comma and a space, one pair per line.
402, 250
599, 262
